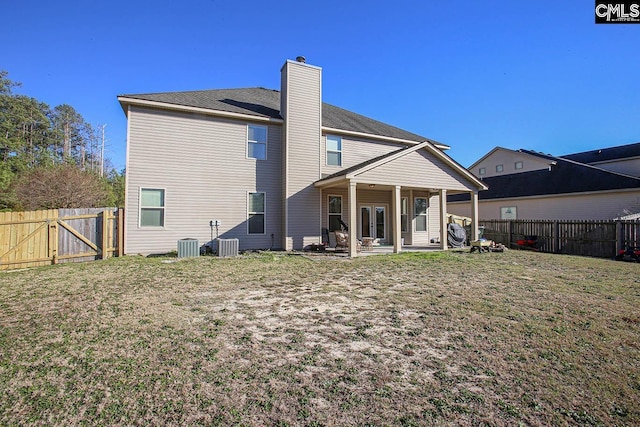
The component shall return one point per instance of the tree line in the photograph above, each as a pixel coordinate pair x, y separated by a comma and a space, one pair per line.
51, 157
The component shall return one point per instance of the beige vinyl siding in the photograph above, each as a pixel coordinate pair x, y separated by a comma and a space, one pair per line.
384, 198
283, 157
364, 197
508, 159
417, 169
433, 218
354, 151
200, 162
593, 206
302, 142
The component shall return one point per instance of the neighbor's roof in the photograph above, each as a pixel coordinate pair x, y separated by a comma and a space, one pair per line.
606, 154
565, 177
265, 103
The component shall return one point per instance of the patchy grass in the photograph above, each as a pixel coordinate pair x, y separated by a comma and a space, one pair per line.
274, 339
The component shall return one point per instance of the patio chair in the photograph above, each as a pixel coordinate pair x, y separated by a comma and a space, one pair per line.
342, 241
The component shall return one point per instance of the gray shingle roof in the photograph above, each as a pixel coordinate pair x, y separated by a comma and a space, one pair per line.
606, 154
263, 102
565, 177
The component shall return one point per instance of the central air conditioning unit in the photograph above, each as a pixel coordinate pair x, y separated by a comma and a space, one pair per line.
228, 247
188, 248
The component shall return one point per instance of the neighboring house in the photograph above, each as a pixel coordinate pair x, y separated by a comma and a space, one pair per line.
276, 168
526, 184
502, 161
623, 159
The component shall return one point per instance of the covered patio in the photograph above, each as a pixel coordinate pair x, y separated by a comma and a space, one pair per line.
400, 196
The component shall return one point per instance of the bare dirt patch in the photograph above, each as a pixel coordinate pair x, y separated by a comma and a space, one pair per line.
273, 339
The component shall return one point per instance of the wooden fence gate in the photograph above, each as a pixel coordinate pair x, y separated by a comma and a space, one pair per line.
31, 239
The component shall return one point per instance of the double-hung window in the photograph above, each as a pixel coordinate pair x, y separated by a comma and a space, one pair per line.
420, 206
151, 207
256, 213
335, 212
334, 150
404, 214
257, 142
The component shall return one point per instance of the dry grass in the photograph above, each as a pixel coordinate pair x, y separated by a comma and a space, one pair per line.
275, 339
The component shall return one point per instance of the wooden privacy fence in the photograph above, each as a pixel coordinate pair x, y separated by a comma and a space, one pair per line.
586, 238
30, 239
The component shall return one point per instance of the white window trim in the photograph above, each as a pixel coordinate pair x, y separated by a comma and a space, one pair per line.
264, 213
329, 213
266, 140
327, 151
405, 214
140, 207
426, 217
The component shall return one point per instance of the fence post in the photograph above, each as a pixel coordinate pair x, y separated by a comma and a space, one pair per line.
52, 231
509, 236
619, 238
105, 233
556, 236
120, 241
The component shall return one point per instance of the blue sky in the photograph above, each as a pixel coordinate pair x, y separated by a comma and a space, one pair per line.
471, 74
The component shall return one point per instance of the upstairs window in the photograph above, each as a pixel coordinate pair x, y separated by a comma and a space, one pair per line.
256, 213
151, 207
519, 165
334, 150
335, 212
482, 171
257, 142
499, 168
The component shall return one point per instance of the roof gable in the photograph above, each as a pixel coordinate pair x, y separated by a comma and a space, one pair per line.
419, 162
506, 152
417, 169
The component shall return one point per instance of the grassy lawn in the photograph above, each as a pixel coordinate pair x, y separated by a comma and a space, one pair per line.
274, 339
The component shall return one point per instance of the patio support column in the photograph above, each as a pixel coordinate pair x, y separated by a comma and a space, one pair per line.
353, 220
443, 219
474, 215
397, 229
